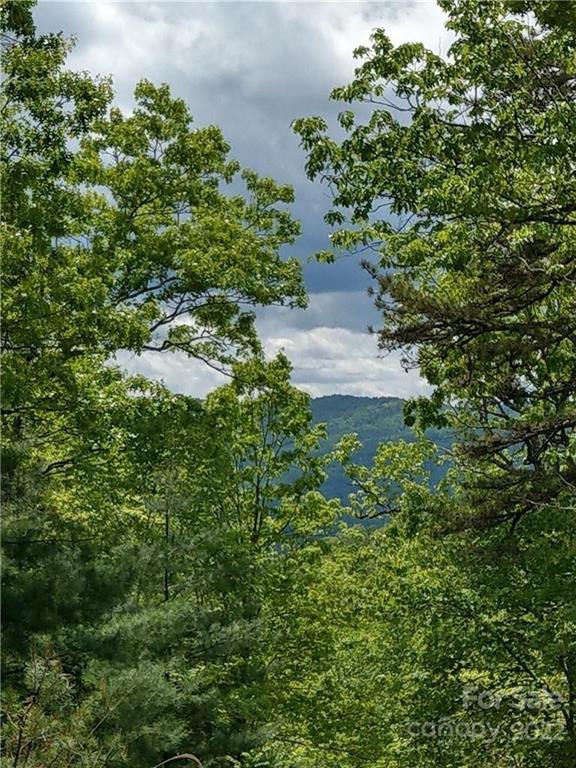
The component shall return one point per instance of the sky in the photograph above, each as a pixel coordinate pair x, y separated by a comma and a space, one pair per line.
251, 68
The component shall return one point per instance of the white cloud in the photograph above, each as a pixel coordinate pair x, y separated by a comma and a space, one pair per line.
175, 370
280, 59
332, 351
327, 358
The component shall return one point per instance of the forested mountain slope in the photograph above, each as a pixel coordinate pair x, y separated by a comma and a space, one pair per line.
374, 420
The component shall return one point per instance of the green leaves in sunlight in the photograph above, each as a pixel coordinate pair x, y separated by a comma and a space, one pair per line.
177, 588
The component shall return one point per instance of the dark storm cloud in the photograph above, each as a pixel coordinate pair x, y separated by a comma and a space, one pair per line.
251, 68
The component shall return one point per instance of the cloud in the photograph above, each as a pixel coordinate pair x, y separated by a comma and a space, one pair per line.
175, 370
331, 349
327, 357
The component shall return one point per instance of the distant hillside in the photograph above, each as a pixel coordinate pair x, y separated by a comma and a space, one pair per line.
374, 419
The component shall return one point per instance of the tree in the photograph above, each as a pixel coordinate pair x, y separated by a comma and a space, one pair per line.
274, 451
117, 234
111, 245
404, 654
156, 633
472, 155
183, 659
461, 181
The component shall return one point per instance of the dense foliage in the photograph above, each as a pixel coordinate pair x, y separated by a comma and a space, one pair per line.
177, 589
462, 182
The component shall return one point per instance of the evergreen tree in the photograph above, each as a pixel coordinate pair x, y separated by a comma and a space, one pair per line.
461, 180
